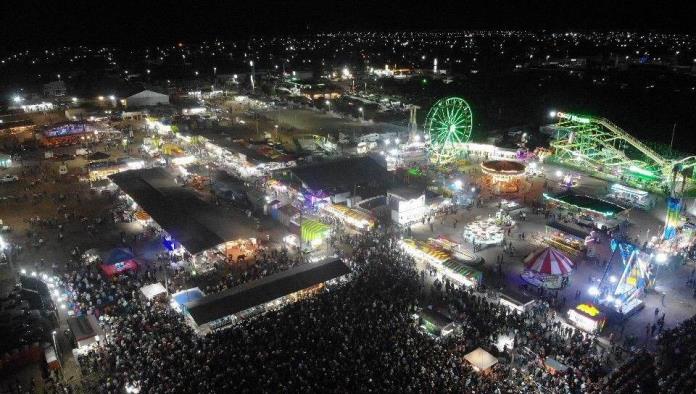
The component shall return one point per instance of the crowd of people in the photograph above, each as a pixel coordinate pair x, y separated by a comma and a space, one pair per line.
359, 337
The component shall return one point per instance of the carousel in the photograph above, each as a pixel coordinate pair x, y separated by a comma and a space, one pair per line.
548, 268
504, 176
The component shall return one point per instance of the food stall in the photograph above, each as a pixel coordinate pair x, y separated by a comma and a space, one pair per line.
587, 317
352, 217
442, 261
456, 249
563, 241
462, 274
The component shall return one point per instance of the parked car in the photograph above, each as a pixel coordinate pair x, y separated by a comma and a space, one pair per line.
8, 178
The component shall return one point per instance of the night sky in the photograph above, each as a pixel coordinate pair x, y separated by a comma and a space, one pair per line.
32, 23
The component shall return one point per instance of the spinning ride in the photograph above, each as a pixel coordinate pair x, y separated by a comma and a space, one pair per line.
548, 268
504, 176
448, 124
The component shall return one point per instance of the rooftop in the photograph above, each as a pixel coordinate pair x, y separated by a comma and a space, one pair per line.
259, 292
586, 202
345, 175
196, 224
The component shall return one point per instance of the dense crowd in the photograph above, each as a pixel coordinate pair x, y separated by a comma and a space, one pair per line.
261, 264
89, 291
359, 337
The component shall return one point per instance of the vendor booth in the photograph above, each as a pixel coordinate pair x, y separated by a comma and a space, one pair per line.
442, 260
182, 298
85, 331
548, 268
564, 238
118, 261
587, 317
313, 232
516, 301
434, 323
461, 274
481, 360
153, 290
352, 217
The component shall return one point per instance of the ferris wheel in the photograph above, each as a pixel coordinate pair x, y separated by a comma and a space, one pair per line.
448, 125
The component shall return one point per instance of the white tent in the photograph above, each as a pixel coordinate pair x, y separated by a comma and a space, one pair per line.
146, 98
481, 360
153, 290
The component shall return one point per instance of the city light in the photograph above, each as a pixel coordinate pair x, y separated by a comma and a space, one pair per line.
593, 291
559, 173
661, 257
552, 114
17, 99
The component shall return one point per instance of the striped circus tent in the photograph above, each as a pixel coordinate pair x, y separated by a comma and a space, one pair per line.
549, 261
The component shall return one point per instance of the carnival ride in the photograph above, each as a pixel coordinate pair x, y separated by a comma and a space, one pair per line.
504, 176
624, 295
547, 268
598, 145
448, 125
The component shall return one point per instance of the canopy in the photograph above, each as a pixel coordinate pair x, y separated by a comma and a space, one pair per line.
480, 359
467, 274
549, 261
313, 229
153, 290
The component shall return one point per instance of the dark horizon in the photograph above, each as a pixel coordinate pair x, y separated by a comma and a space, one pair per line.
32, 24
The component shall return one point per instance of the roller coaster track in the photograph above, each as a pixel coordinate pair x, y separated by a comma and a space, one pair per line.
600, 145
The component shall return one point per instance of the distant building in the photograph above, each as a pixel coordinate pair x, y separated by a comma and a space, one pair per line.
146, 98
38, 107
55, 89
11, 126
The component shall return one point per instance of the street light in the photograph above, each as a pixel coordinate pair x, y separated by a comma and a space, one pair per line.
552, 114
17, 99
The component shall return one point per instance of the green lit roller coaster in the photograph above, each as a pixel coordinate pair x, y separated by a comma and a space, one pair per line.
599, 146
448, 125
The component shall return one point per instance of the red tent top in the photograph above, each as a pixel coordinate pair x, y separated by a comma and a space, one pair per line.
549, 261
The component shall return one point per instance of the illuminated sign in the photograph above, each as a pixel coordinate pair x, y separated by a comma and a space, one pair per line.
573, 118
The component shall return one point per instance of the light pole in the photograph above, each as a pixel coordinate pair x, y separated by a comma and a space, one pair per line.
328, 104
362, 113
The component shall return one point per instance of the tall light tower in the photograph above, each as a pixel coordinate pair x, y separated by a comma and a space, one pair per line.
412, 123
251, 64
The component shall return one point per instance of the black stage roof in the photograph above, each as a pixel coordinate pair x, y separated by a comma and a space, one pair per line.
258, 292
196, 224
362, 174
